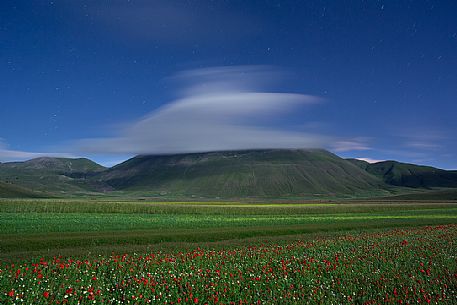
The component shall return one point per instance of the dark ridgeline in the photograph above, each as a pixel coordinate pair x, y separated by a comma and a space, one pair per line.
274, 173
409, 175
271, 172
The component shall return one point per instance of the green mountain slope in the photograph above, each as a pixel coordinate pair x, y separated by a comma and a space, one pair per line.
62, 165
360, 163
274, 173
13, 191
50, 175
448, 194
277, 173
409, 175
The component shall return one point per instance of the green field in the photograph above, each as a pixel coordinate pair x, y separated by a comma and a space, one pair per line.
52, 227
86, 251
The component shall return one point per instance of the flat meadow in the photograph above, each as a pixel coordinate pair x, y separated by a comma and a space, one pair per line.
86, 251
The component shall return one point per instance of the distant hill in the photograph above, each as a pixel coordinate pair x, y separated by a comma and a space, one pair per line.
360, 163
50, 175
409, 175
14, 191
273, 173
62, 165
430, 195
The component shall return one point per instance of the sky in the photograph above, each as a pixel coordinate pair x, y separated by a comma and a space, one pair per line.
109, 80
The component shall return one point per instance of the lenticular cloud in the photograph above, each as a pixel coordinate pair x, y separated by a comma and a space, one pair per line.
221, 108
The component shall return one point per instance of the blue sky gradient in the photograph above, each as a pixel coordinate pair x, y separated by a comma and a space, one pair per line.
83, 78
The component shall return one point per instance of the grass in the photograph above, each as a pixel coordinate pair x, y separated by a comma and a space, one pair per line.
210, 207
407, 266
53, 226
81, 251
83, 222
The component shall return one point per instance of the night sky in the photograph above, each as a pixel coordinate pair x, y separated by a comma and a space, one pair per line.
111, 79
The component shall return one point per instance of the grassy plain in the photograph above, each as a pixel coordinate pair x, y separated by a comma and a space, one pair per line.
81, 251
50, 227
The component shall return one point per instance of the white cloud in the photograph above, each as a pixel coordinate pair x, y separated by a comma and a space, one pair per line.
370, 160
219, 108
7, 154
350, 145
425, 139
423, 145
222, 108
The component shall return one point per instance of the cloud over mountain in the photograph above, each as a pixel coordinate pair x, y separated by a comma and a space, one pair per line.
220, 108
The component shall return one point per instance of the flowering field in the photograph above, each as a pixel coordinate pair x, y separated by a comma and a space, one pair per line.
32, 228
389, 266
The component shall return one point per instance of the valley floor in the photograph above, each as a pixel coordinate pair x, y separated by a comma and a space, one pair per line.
198, 252
54, 227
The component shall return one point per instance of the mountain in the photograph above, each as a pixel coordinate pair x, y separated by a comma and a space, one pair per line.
360, 163
62, 165
13, 191
448, 194
272, 173
51, 175
409, 175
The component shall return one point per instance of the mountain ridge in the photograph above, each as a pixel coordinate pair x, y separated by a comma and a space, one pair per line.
273, 173
268, 172
48, 175
409, 175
